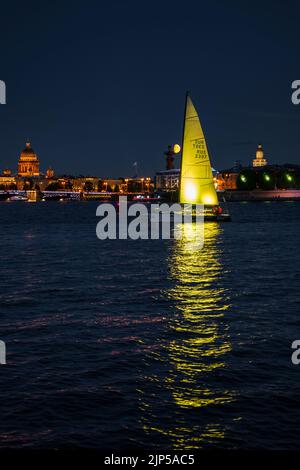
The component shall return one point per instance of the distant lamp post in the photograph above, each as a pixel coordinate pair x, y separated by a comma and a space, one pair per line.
148, 181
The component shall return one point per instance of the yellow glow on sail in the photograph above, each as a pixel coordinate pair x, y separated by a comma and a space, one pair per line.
190, 191
196, 179
208, 199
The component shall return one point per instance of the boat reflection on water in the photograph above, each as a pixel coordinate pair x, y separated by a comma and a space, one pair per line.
187, 404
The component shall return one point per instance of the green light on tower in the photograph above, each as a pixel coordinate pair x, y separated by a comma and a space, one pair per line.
289, 178
243, 178
267, 178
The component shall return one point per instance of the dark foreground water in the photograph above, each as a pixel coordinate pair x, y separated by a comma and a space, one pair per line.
149, 344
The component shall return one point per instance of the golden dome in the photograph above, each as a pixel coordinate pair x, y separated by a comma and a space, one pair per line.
28, 154
28, 163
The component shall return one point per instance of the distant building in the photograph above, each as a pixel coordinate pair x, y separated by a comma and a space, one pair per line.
135, 185
226, 179
49, 173
167, 180
259, 160
28, 163
29, 178
7, 182
84, 183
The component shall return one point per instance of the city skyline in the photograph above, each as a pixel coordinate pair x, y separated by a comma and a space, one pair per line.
97, 88
28, 164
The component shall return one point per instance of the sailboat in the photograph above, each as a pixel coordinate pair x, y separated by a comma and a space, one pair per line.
196, 178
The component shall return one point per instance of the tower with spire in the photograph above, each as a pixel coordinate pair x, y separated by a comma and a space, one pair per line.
259, 159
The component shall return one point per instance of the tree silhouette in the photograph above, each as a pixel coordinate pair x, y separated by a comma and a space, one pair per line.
266, 180
247, 180
88, 186
55, 186
287, 180
100, 186
28, 184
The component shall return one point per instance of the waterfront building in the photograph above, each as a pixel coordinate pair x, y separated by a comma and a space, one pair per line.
259, 159
28, 163
84, 183
7, 182
167, 180
226, 179
29, 178
137, 185
49, 173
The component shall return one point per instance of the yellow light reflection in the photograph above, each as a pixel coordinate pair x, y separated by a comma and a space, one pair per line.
196, 353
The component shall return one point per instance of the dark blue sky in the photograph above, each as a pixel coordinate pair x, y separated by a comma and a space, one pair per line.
98, 85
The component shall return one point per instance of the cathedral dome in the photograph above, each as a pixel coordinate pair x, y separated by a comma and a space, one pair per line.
28, 162
28, 154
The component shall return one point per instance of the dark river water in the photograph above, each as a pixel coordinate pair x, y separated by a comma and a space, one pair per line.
149, 344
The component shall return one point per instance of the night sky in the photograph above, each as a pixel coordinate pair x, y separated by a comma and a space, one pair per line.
99, 85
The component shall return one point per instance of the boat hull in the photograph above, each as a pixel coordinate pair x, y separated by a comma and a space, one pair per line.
17, 199
217, 218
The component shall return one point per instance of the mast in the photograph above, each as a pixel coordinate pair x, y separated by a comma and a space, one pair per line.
187, 94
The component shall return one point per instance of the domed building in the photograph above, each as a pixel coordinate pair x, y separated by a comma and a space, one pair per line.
28, 163
259, 159
49, 173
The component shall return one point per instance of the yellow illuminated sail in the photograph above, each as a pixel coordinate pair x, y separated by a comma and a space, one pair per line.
196, 178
